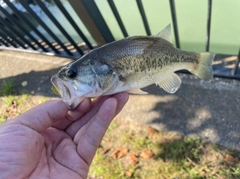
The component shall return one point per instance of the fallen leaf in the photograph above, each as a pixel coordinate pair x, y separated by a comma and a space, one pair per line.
133, 159
146, 154
230, 158
120, 152
105, 150
12, 111
129, 172
14, 104
152, 132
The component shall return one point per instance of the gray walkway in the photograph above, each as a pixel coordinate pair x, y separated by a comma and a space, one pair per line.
210, 110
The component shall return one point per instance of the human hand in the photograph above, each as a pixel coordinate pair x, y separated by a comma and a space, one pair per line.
49, 141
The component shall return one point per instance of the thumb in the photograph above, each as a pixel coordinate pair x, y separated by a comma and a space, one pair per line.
42, 116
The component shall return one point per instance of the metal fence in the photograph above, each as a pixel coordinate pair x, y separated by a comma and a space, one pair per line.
14, 27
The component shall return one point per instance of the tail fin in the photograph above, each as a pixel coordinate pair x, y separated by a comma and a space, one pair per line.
204, 67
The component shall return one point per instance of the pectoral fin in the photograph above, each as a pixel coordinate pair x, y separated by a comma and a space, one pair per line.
137, 91
171, 83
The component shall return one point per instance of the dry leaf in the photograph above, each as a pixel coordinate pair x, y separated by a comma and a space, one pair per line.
14, 104
105, 150
146, 154
133, 159
152, 132
120, 152
129, 172
229, 158
12, 111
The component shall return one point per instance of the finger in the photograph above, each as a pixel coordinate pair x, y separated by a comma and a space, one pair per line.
121, 98
42, 116
91, 139
74, 127
73, 115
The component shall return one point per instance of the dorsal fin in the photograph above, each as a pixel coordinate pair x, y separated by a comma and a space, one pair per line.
166, 33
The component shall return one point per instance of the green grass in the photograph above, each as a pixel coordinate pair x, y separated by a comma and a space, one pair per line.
2, 120
13, 104
174, 157
113, 169
112, 127
136, 141
7, 88
182, 149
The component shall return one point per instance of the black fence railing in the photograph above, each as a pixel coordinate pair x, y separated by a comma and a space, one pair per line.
18, 29
118, 18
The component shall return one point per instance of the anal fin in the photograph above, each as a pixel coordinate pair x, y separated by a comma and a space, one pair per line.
171, 83
137, 91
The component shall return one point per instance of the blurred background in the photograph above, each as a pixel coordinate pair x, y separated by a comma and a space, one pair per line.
147, 17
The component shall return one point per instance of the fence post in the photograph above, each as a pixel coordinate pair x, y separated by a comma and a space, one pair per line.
174, 20
235, 70
91, 17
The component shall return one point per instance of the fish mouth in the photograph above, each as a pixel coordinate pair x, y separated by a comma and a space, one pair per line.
66, 92
62, 89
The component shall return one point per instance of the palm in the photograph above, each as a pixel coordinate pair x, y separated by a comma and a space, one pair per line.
60, 154
44, 158
64, 150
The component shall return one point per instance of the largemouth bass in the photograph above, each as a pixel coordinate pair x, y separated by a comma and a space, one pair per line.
128, 65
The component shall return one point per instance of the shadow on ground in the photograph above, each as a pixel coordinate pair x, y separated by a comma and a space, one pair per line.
29, 72
210, 113
34, 82
198, 108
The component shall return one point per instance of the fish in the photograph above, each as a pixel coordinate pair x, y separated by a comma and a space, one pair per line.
129, 65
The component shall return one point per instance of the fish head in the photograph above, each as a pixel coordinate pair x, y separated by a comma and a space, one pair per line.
74, 82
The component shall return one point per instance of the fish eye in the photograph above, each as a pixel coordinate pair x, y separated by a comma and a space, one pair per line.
71, 73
